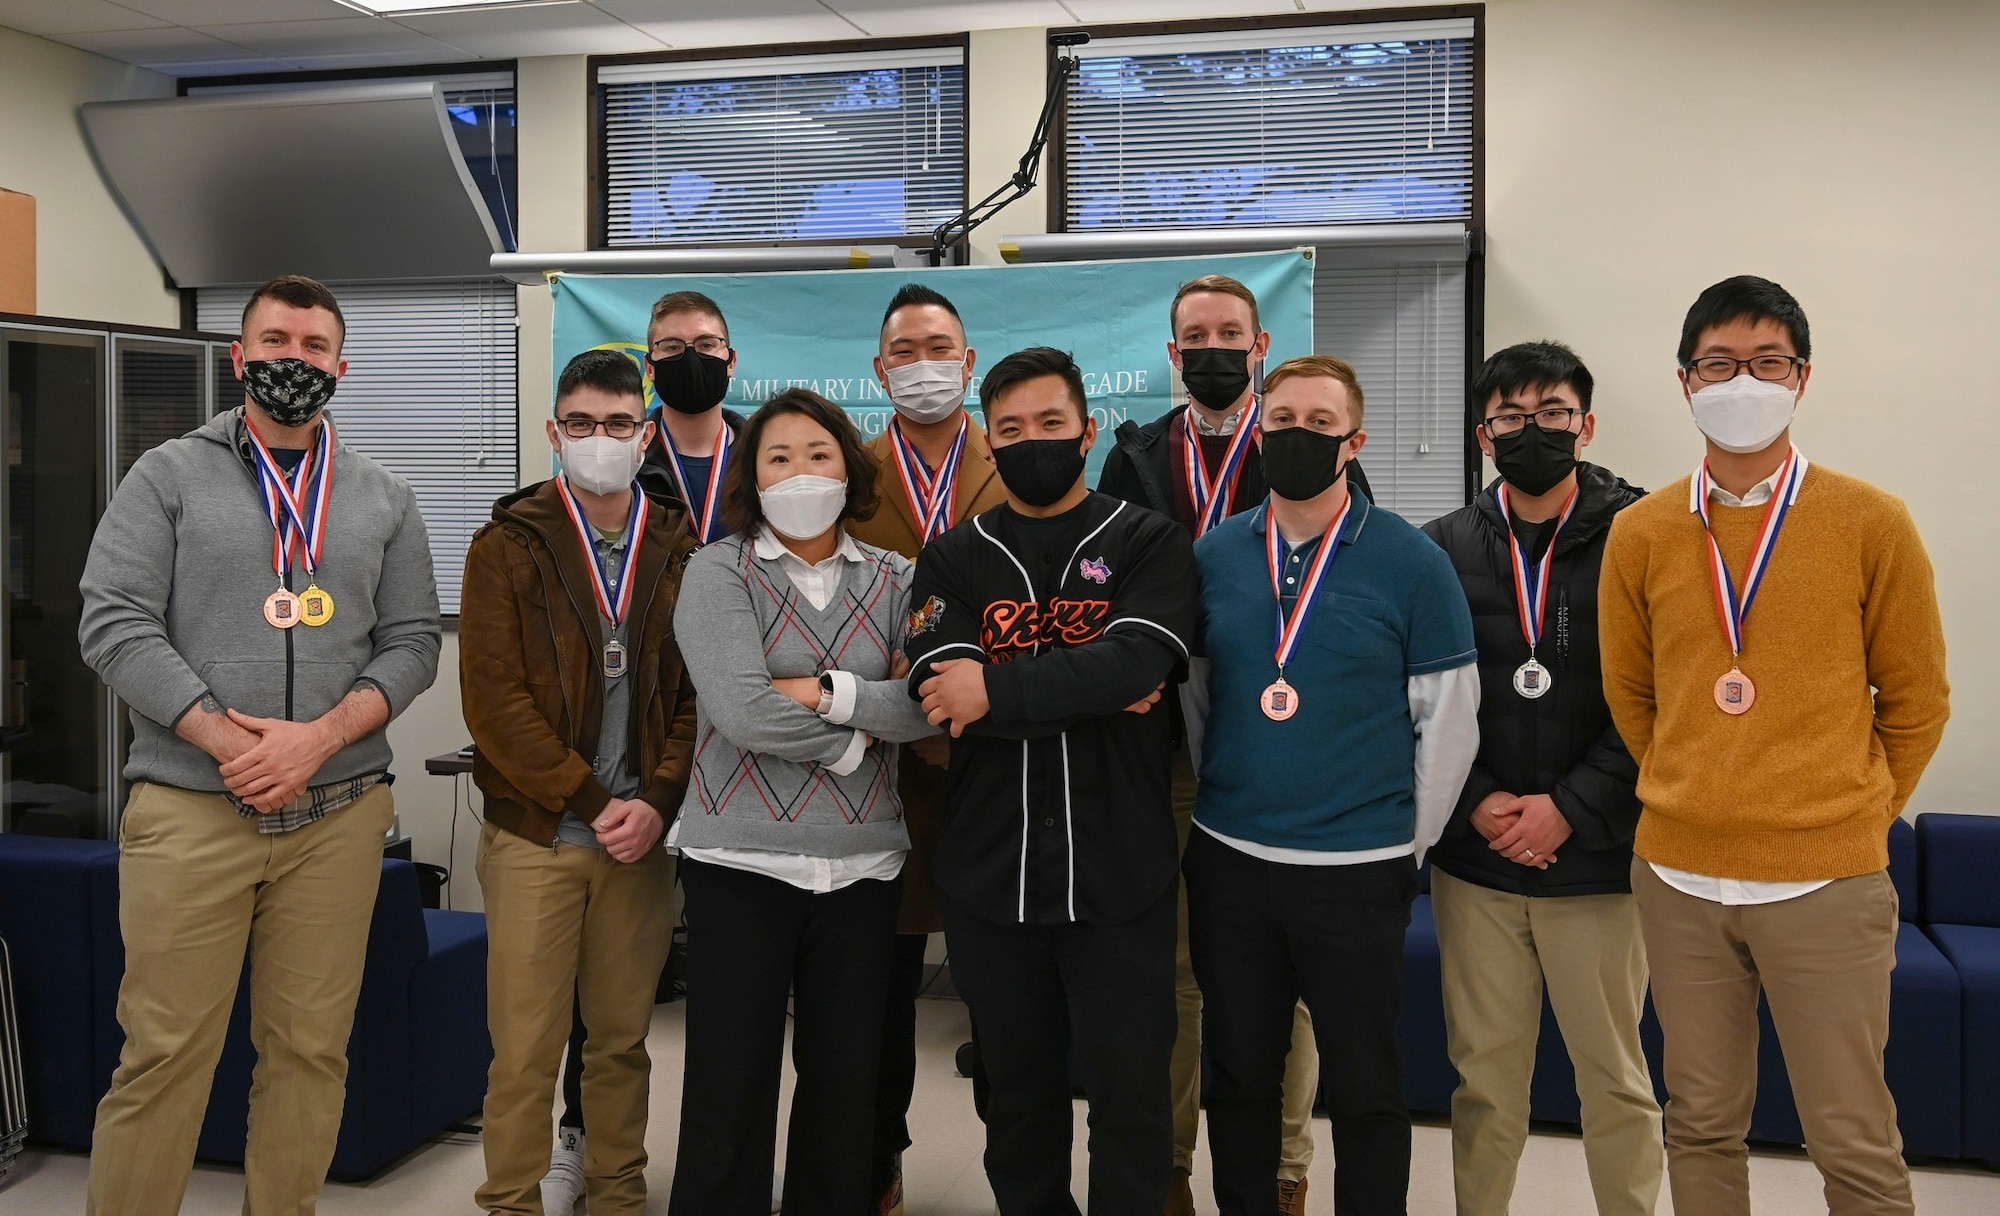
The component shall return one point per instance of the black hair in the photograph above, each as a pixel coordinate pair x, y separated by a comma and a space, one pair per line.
1542, 364
743, 508
1745, 297
610, 371
1031, 364
916, 295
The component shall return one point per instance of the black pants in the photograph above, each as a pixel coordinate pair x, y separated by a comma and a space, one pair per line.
752, 942
1263, 935
1104, 994
896, 1074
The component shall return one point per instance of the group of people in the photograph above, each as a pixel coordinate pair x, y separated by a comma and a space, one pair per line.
1162, 760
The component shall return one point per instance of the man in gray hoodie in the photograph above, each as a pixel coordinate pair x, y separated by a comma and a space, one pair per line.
261, 596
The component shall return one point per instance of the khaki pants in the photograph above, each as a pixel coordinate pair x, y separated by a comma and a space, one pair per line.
563, 921
194, 877
1823, 961
1499, 952
1301, 1066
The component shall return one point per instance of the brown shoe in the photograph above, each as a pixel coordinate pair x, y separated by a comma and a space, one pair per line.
1291, 1197
1180, 1196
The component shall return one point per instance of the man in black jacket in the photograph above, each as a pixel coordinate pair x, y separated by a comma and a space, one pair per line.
1043, 632
1531, 883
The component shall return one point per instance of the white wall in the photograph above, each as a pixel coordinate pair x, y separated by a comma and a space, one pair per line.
90, 262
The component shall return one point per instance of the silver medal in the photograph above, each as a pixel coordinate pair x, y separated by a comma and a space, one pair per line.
614, 659
1532, 680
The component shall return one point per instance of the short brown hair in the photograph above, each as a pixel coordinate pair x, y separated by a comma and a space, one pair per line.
1221, 284
1325, 366
740, 505
687, 301
1032, 364
298, 291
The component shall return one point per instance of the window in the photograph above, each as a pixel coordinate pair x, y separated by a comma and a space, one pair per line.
430, 394
781, 148
1312, 127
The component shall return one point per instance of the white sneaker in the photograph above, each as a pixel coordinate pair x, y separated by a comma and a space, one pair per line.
562, 1186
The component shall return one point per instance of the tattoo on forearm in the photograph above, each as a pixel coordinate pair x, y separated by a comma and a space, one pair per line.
209, 705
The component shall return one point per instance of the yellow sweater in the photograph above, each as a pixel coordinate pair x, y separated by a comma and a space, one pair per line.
1803, 786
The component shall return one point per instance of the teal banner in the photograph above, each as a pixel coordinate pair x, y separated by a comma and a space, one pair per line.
821, 329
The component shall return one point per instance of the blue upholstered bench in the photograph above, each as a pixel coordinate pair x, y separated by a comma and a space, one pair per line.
1959, 865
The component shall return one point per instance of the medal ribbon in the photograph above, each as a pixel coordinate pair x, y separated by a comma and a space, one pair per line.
297, 505
933, 499
1214, 497
1734, 609
709, 513
1291, 628
1531, 579
614, 609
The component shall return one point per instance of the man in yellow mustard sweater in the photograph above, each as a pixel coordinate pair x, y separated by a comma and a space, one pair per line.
1747, 612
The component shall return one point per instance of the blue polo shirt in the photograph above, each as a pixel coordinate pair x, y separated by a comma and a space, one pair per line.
1340, 774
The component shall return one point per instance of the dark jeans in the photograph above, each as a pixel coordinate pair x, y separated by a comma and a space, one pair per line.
1263, 935
1104, 994
896, 1075
752, 942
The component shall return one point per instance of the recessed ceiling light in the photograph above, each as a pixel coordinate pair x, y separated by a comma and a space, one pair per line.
412, 8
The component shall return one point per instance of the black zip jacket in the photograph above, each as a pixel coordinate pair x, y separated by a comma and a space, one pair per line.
1564, 744
1139, 468
656, 477
1059, 806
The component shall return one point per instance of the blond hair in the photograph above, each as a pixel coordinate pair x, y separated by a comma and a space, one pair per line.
1321, 366
1221, 284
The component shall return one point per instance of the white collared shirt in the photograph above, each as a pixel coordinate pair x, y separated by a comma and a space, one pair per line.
1736, 892
818, 582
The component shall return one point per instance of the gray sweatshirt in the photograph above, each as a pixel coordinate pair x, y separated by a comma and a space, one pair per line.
762, 776
173, 595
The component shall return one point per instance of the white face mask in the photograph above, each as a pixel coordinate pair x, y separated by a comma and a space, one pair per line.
601, 464
1745, 414
802, 507
928, 391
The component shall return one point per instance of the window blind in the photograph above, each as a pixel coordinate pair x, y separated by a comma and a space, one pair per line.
430, 393
783, 148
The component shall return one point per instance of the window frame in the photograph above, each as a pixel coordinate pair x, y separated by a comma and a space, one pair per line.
597, 200
1057, 166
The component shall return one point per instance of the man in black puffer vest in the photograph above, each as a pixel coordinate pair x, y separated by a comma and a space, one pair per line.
1531, 881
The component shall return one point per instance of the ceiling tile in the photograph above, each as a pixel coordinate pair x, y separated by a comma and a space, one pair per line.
151, 48
1088, 11
703, 23
294, 40
238, 12
553, 29
72, 17
331, 63
893, 18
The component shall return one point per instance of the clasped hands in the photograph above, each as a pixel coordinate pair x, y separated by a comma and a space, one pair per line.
1526, 829
273, 760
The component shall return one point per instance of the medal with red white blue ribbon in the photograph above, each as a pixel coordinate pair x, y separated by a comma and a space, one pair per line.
933, 497
1280, 700
705, 517
297, 506
614, 597
1531, 595
1214, 497
1734, 692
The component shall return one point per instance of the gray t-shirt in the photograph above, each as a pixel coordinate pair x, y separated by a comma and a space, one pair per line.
614, 769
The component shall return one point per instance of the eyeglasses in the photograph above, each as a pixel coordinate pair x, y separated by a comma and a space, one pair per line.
1555, 418
674, 348
1719, 368
579, 427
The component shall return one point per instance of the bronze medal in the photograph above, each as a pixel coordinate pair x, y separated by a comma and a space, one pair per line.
1280, 701
281, 609
1734, 693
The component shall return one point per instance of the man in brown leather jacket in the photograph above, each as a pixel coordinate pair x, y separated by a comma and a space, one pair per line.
584, 722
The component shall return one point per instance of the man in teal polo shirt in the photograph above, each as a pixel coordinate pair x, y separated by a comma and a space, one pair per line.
1341, 720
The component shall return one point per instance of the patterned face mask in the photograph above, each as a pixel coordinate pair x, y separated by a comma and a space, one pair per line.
291, 391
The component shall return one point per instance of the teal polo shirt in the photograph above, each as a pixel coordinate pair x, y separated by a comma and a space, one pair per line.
1340, 774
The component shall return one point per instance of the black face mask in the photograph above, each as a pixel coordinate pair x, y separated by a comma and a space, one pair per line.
1533, 460
1039, 471
691, 382
291, 391
1300, 463
1215, 376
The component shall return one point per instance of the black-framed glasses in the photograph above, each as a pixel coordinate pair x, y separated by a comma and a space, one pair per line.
674, 348
579, 427
1554, 418
1716, 369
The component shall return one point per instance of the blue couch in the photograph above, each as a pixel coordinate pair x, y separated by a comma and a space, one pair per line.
1959, 860
417, 1059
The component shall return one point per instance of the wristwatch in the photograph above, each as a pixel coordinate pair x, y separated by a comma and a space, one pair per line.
825, 693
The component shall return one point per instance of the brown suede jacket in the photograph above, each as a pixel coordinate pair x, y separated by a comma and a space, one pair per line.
528, 640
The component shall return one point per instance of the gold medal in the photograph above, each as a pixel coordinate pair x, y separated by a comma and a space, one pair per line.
281, 609
315, 606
